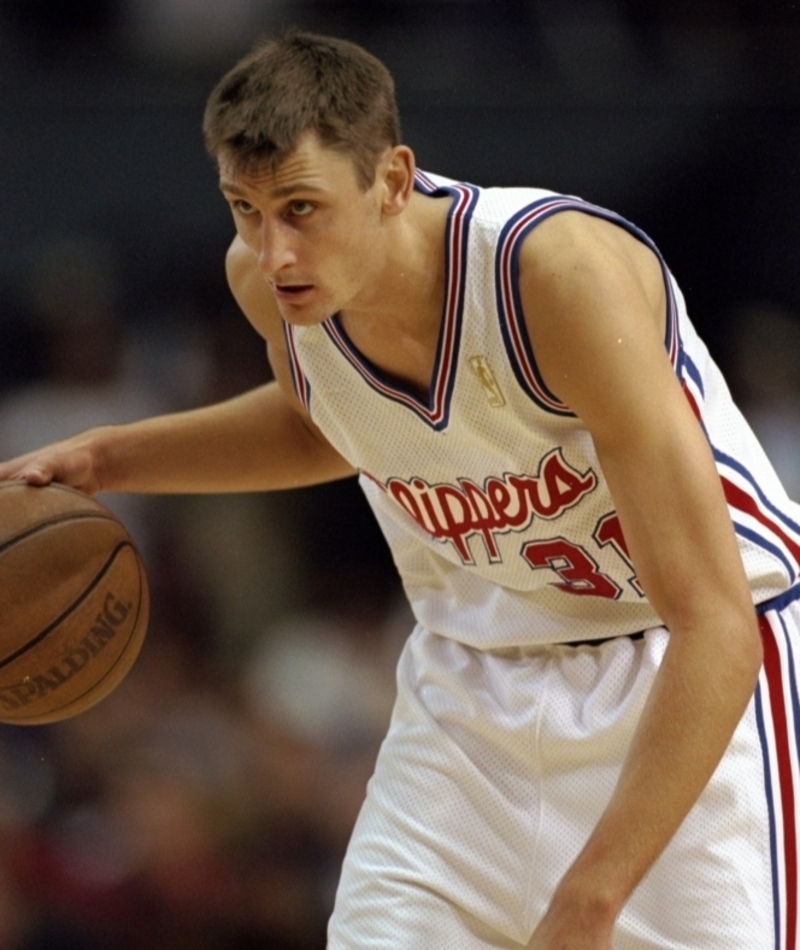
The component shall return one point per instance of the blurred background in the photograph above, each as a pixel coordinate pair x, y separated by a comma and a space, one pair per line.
207, 803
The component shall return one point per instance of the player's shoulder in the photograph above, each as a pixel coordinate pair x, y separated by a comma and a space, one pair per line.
247, 285
573, 244
554, 233
572, 231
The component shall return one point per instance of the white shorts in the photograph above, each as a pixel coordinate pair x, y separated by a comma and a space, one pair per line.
496, 767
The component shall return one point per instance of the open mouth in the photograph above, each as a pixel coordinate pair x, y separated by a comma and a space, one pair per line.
290, 290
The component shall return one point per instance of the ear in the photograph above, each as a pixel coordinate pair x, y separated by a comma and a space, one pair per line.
396, 171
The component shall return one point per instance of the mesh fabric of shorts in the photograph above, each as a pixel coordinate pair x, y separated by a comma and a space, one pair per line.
496, 767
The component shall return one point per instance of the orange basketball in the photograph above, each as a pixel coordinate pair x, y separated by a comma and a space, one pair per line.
74, 603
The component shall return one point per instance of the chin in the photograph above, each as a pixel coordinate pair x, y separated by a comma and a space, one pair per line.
300, 317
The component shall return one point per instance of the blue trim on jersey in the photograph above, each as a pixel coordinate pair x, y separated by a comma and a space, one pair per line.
779, 602
301, 385
762, 505
773, 549
390, 389
435, 409
795, 701
424, 183
512, 326
686, 363
693, 371
792, 682
680, 363
773, 831
738, 467
462, 252
544, 398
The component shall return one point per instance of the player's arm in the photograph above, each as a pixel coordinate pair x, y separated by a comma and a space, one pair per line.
594, 305
262, 439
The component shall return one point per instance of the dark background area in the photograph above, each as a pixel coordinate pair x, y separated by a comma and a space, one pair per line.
207, 803
683, 117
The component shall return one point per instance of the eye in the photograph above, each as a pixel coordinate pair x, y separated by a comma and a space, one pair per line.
299, 209
240, 206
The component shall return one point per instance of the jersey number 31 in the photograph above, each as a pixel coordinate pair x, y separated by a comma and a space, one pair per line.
578, 571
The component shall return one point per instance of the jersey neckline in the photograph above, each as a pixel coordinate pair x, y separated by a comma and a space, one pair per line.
434, 406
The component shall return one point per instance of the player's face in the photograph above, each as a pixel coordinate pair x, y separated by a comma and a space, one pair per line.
316, 234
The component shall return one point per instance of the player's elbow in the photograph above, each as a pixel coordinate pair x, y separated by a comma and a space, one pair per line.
725, 639
744, 649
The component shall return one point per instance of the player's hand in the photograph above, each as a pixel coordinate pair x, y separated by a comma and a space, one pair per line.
71, 462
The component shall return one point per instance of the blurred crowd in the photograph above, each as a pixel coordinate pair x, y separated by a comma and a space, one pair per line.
208, 801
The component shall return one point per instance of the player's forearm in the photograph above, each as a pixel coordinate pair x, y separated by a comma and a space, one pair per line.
254, 442
699, 695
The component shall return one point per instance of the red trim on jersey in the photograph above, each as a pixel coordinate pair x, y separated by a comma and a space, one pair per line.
692, 401
515, 323
672, 313
299, 381
509, 247
739, 499
373, 479
435, 408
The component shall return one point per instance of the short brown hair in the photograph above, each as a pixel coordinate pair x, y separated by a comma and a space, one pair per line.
258, 111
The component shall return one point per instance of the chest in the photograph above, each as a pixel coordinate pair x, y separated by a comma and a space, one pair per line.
403, 360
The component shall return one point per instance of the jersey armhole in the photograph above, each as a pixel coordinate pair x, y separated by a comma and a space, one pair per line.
300, 384
509, 302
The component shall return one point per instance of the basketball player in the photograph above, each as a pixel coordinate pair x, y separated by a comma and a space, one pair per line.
594, 740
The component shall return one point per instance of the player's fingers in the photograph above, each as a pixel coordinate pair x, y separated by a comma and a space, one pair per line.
35, 469
12, 471
27, 468
36, 475
69, 462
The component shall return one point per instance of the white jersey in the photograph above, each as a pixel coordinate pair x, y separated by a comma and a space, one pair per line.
488, 489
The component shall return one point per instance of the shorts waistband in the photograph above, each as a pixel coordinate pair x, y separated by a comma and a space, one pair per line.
522, 651
779, 602
639, 635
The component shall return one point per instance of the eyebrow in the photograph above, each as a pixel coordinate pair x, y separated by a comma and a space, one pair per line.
225, 185
284, 191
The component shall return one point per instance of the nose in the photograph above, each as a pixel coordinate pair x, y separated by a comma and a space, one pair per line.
276, 250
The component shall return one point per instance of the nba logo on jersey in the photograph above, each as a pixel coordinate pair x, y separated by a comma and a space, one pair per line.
480, 366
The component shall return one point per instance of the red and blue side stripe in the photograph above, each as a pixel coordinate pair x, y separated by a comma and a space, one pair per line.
777, 707
754, 516
777, 703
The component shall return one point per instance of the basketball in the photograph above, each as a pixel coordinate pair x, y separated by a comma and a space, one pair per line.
74, 603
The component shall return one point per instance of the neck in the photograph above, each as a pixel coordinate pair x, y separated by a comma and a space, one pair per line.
398, 327
408, 293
